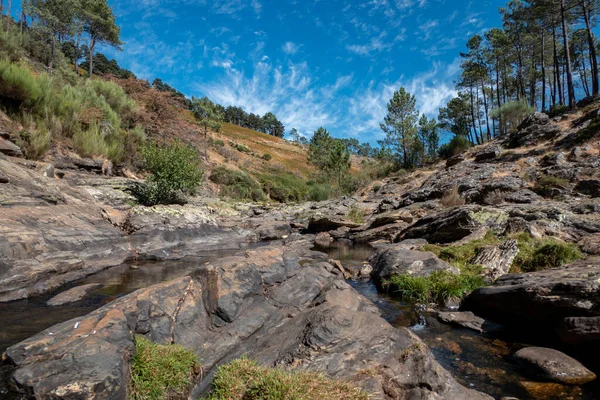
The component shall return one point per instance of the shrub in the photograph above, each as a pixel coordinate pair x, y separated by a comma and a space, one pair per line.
227, 153
439, 287
175, 171
284, 187
458, 144
547, 183
267, 157
453, 198
237, 184
35, 143
242, 149
319, 192
549, 253
113, 94
356, 215
218, 143
161, 371
557, 109
90, 143
376, 187
17, 83
511, 114
244, 380
494, 198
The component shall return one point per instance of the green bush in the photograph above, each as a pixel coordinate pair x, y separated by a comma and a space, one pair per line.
356, 215
267, 157
217, 143
246, 380
439, 287
161, 372
319, 192
284, 187
18, 83
557, 109
175, 170
242, 149
458, 144
377, 187
549, 253
547, 183
112, 94
237, 184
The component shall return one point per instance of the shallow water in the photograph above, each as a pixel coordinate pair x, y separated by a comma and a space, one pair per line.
477, 361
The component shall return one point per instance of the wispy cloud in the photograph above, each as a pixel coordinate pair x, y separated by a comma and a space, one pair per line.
290, 48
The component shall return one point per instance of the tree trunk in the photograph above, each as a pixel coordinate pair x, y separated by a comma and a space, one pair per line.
92, 45
543, 71
485, 106
532, 83
478, 109
76, 56
593, 57
8, 15
52, 54
473, 116
570, 87
557, 84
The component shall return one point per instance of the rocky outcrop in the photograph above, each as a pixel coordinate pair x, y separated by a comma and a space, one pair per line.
533, 130
280, 305
10, 149
397, 260
488, 153
455, 224
72, 295
455, 160
496, 260
547, 301
590, 187
552, 365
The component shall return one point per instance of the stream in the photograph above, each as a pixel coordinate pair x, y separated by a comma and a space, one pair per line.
477, 361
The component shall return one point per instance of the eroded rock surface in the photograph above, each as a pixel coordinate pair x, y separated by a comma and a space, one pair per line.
553, 365
281, 305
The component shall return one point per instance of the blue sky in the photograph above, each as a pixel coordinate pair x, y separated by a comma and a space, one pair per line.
331, 63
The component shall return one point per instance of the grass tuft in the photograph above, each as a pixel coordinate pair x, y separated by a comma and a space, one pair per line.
356, 215
161, 372
244, 379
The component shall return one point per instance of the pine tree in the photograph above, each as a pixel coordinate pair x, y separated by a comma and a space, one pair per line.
400, 126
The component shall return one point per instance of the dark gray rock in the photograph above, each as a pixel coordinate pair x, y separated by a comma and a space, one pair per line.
488, 153
4, 179
496, 260
467, 319
397, 260
455, 160
281, 306
590, 187
554, 366
72, 295
272, 230
554, 160
580, 330
535, 129
454, 224
10, 149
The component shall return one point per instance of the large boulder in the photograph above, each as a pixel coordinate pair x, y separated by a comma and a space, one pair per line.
398, 260
282, 306
552, 365
10, 149
454, 224
533, 130
545, 301
488, 153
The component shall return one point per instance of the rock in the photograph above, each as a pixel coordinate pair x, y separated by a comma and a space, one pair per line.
496, 260
533, 130
580, 330
48, 171
590, 187
468, 320
324, 238
10, 149
454, 224
591, 244
72, 295
4, 179
397, 260
278, 305
387, 233
273, 230
455, 160
523, 196
554, 366
540, 301
557, 159
488, 153
576, 154
326, 224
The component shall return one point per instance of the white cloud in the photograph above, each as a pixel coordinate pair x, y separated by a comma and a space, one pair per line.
290, 48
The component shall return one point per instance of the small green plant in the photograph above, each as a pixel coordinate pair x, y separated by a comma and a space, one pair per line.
376, 187
242, 149
546, 254
356, 215
175, 170
161, 372
319, 192
547, 183
218, 143
438, 288
557, 109
237, 184
457, 145
267, 157
461, 256
284, 187
244, 379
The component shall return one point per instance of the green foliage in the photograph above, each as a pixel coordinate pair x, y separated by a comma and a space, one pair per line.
428, 135
557, 109
547, 183
272, 126
461, 256
319, 192
244, 379
376, 187
218, 143
457, 145
175, 170
267, 157
511, 114
456, 116
35, 141
541, 255
284, 187
356, 215
242, 149
161, 372
208, 114
439, 287
319, 148
588, 133
17, 83
400, 127
237, 184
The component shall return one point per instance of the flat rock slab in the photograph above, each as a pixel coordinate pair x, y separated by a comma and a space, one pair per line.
72, 295
10, 149
554, 366
467, 319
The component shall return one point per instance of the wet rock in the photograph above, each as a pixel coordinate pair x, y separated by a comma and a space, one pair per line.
277, 305
590, 187
539, 301
10, 149
467, 319
455, 160
496, 260
455, 224
554, 366
580, 330
386, 232
72, 295
397, 260
488, 153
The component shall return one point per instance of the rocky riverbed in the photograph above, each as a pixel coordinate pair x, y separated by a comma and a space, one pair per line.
286, 304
